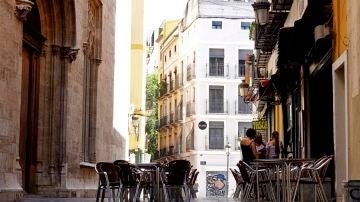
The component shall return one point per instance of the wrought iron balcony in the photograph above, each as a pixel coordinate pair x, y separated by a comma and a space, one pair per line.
216, 106
190, 72
190, 108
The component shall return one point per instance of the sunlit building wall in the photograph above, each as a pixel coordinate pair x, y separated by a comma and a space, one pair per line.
137, 78
212, 42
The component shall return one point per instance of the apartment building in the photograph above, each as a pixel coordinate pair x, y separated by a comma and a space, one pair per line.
202, 64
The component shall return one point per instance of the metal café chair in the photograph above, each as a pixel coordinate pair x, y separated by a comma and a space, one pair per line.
249, 175
314, 174
108, 180
173, 177
239, 182
148, 182
191, 183
130, 177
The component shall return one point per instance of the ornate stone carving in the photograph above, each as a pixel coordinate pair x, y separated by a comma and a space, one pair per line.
67, 52
22, 8
73, 54
86, 48
98, 61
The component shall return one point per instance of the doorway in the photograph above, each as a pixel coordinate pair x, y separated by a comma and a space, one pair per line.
29, 117
29, 106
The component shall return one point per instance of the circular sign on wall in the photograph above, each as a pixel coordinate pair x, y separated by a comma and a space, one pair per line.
202, 125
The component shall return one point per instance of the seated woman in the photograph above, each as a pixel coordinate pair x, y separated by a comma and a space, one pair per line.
248, 146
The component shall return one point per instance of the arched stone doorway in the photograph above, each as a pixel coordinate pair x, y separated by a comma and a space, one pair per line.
48, 35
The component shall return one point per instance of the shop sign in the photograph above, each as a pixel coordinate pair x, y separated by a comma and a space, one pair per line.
202, 125
260, 125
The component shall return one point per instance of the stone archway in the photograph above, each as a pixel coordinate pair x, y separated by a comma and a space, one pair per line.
48, 40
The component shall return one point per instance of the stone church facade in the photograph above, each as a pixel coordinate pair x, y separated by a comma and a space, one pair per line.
56, 96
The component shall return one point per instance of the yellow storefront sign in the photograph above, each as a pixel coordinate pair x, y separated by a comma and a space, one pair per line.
260, 125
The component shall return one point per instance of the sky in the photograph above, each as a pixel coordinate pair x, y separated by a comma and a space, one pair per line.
158, 10
155, 11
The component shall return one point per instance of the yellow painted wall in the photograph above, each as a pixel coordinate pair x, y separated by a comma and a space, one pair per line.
167, 27
339, 27
137, 98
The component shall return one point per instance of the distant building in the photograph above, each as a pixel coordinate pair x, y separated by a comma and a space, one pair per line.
56, 100
202, 62
152, 53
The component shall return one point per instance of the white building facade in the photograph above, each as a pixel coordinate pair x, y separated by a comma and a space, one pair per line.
212, 43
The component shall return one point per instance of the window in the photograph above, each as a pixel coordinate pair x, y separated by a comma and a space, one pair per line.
216, 135
175, 48
242, 127
245, 25
165, 58
216, 25
216, 99
243, 108
241, 63
169, 54
190, 139
216, 61
90, 90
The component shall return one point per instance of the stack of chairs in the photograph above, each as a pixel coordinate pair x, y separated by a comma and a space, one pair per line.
108, 180
173, 178
312, 174
126, 181
249, 178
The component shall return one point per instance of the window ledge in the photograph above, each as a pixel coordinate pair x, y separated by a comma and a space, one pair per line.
87, 164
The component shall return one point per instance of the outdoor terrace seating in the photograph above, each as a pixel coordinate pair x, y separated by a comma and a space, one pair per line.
108, 180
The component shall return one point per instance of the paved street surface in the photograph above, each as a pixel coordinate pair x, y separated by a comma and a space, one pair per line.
89, 199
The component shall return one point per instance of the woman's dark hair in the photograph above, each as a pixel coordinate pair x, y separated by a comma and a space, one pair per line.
251, 133
275, 136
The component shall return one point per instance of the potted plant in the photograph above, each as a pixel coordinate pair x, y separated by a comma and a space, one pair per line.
252, 32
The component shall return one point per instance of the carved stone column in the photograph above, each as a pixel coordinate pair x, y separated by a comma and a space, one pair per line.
22, 8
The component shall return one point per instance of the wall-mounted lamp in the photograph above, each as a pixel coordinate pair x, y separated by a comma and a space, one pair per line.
136, 117
261, 9
243, 89
136, 125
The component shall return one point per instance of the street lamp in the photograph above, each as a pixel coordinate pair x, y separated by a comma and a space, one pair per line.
243, 89
261, 9
136, 127
227, 148
239, 145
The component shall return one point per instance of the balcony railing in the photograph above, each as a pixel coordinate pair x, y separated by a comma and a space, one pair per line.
190, 108
178, 114
163, 121
177, 83
172, 84
190, 72
163, 88
239, 70
217, 70
171, 118
241, 107
163, 152
216, 106
171, 150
